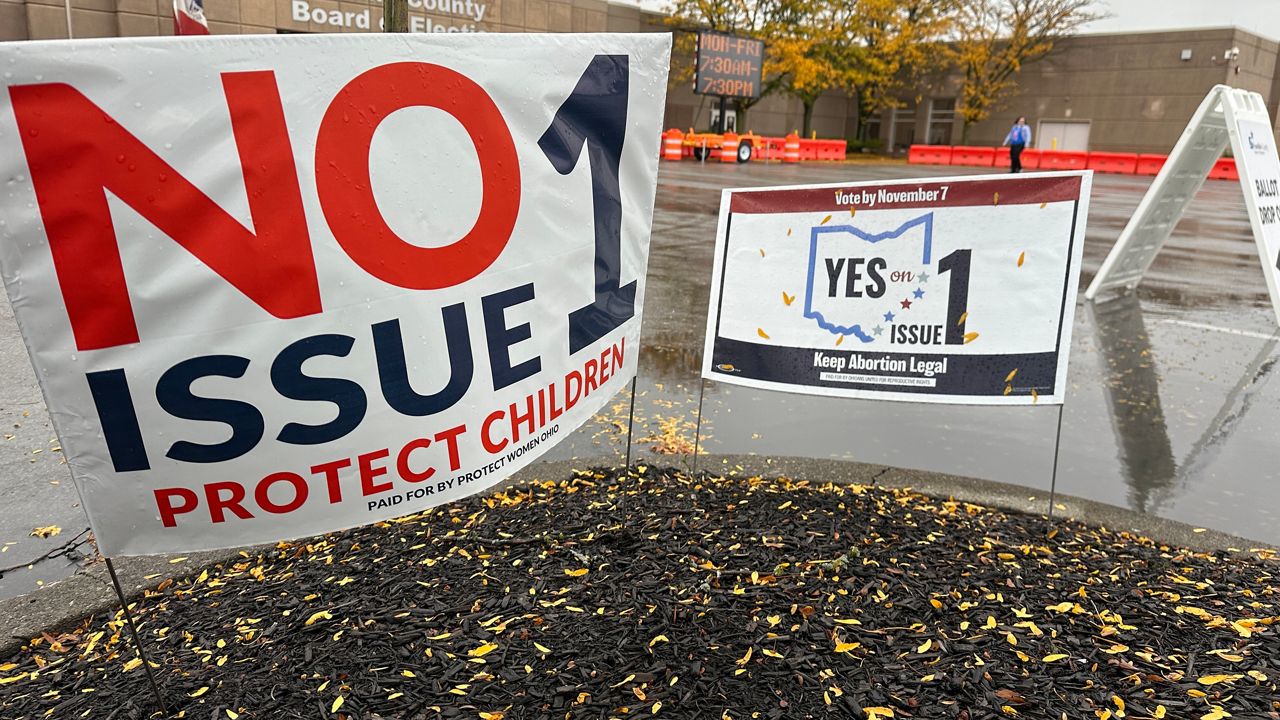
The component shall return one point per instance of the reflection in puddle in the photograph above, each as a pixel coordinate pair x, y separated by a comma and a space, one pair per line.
1237, 405
1131, 386
1132, 389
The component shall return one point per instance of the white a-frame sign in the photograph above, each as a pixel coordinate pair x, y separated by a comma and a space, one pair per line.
1226, 115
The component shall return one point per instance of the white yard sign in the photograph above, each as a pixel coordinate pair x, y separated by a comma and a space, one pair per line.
1226, 116
958, 290
276, 286
1259, 168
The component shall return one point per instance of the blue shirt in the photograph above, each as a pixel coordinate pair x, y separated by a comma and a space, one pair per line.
1018, 135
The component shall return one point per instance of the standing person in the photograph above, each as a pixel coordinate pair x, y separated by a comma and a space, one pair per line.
1018, 139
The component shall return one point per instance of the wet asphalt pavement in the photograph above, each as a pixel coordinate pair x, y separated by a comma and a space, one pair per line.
1172, 408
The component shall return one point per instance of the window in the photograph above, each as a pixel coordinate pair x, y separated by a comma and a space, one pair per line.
903, 128
942, 116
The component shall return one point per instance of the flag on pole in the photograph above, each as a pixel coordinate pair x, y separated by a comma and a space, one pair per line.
188, 18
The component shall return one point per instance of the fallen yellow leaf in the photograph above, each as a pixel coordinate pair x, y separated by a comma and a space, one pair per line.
337, 703
199, 692
762, 333
482, 650
47, 531
576, 573
1215, 679
322, 615
970, 337
1054, 657
1021, 257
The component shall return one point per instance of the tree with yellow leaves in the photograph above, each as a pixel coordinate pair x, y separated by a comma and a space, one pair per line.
899, 42
995, 38
872, 49
810, 50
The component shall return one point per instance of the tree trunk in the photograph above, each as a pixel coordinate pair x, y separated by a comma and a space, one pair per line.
964, 133
808, 117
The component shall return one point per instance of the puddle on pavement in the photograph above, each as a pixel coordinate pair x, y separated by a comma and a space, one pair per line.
1172, 408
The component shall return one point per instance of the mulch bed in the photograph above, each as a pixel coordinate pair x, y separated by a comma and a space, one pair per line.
658, 594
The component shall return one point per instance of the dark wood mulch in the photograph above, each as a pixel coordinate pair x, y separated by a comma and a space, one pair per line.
657, 594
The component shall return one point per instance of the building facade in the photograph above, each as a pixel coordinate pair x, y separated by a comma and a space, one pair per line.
1124, 92
1131, 92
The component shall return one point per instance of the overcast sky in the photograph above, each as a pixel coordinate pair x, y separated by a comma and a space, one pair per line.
1261, 17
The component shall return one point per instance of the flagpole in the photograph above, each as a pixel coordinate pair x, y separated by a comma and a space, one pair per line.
395, 16
66, 4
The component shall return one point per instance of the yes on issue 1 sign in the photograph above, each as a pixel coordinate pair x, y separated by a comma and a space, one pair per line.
956, 290
278, 286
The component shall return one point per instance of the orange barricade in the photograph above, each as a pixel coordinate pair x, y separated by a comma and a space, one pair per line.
831, 149
1030, 158
672, 144
929, 155
729, 148
791, 147
1150, 164
808, 149
1224, 169
1063, 160
1112, 162
973, 156
771, 148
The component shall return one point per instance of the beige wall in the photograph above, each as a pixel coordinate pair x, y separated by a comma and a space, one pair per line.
46, 19
1134, 89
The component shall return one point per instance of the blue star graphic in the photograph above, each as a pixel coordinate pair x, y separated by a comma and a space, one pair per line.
918, 293
888, 317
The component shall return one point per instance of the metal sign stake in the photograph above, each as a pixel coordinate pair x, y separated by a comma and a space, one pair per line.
697, 430
137, 640
631, 418
1053, 478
